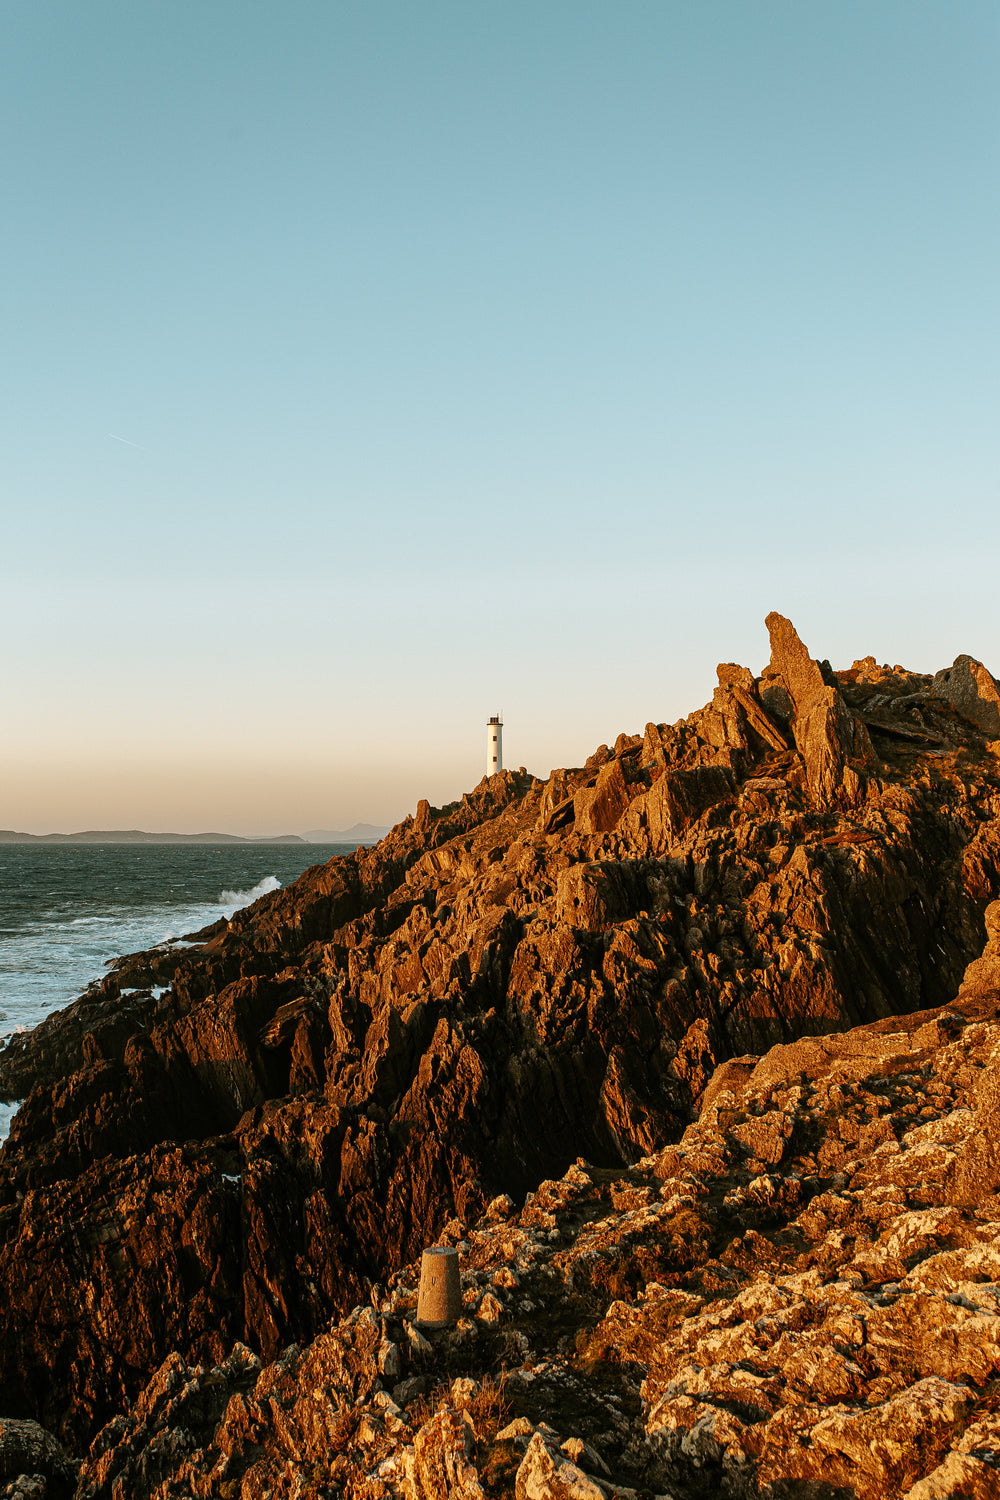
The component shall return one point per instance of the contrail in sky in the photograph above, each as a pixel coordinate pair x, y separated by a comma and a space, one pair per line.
128, 441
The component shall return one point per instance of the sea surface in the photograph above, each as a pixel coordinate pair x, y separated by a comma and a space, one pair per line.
66, 910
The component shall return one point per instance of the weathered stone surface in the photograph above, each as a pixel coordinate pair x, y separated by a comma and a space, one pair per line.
32, 1456
982, 977
846, 1367
969, 1471
440, 1464
597, 809
832, 741
678, 1327
422, 1030
974, 691
547, 1474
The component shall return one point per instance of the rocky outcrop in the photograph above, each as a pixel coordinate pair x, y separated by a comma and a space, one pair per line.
973, 691
792, 1299
33, 1466
832, 741
286, 1111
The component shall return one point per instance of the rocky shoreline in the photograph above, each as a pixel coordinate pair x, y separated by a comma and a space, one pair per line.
747, 1264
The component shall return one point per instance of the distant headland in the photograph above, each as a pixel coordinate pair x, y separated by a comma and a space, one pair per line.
138, 836
360, 833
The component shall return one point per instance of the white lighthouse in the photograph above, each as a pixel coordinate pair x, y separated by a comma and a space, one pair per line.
494, 744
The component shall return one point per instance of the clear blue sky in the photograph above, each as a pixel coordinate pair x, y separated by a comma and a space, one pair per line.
369, 367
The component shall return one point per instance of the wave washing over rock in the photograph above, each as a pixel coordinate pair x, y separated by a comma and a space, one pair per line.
715, 1007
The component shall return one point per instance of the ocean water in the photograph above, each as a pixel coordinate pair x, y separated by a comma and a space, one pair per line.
67, 909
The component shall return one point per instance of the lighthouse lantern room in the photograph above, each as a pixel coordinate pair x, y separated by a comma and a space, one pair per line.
494, 744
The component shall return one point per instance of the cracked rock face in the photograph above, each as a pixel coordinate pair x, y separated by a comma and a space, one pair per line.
974, 691
651, 963
833, 742
687, 1326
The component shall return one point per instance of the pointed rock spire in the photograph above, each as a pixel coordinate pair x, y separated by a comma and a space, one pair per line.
832, 741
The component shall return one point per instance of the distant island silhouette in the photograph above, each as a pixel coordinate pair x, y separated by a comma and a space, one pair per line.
138, 836
361, 833
358, 833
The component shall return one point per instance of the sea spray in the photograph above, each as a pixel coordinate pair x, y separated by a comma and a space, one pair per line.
67, 911
7, 1113
238, 899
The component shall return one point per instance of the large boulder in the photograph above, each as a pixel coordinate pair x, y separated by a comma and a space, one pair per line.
29, 1453
974, 691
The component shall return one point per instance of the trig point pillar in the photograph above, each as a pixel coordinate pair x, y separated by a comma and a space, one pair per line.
439, 1300
494, 744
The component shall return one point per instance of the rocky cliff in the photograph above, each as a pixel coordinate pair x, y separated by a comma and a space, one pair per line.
224, 1147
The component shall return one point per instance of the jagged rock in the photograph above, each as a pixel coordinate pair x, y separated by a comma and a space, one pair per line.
547, 1474
440, 1464
531, 975
974, 691
848, 1369
658, 818
969, 1471
490, 1309
597, 809
33, 1463
737, 700
832, 741
832, 1322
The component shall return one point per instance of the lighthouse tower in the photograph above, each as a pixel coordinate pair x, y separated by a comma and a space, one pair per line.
494, 744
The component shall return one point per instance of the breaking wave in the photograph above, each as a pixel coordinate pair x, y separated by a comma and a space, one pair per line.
236, 899
7, 1113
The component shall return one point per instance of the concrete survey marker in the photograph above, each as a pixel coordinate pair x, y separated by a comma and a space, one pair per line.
439, 1300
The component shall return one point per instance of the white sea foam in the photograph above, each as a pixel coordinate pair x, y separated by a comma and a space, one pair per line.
236, 899
7, 1113
77, 913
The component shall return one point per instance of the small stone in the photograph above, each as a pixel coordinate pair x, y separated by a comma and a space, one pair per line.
584, 1456
408, 1390
490, 1309
519, 1428
462, 1391
418, 1344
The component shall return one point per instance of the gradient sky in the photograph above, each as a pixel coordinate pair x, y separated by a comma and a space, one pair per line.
370, 367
